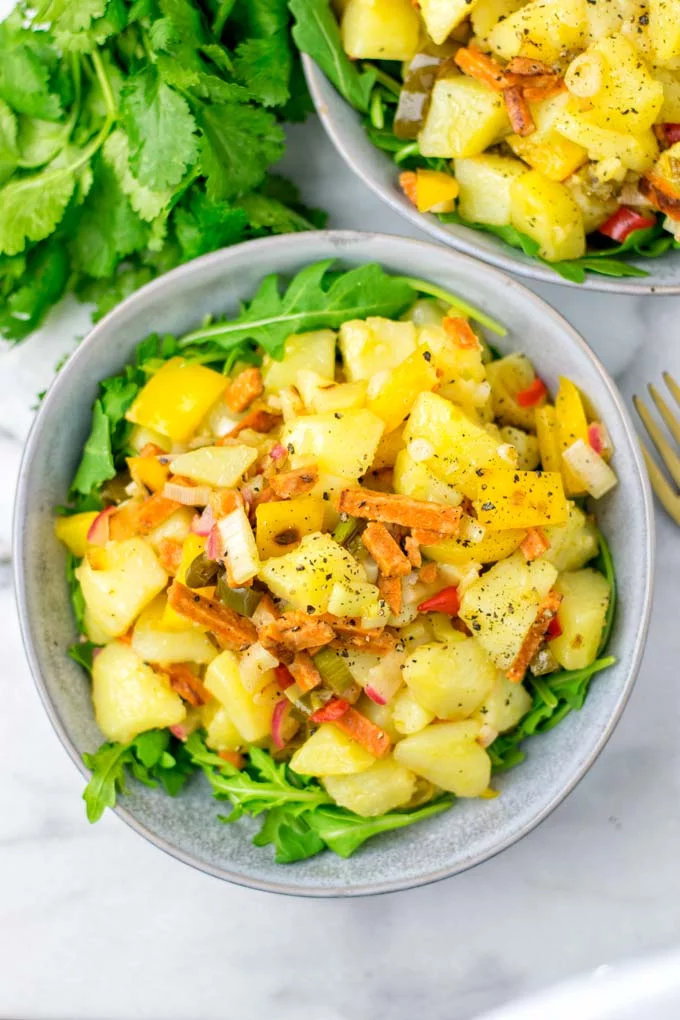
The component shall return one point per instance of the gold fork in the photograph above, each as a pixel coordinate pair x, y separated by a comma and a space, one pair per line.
667, 494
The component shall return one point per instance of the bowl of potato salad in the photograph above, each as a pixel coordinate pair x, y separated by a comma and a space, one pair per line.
347, 533
542, 136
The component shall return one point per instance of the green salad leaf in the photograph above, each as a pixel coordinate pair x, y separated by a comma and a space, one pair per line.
75, 592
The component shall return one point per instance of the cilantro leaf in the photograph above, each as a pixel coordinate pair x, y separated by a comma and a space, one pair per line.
160, 129
202, 226
46, 273
317, 34
146, 202
96, 465
31, 207
26, 65
72, 17
309, 303
264, 67
9, 155
238, 143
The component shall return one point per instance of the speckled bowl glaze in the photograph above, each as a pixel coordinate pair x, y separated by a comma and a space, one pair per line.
378, 171
186, 827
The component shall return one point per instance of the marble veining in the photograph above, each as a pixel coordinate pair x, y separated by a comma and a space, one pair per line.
95, 923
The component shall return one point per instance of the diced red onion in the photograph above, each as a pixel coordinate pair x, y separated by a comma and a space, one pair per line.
281, 710
278, 452
98, 532
187, 495
214, 547
203, 524
179, 731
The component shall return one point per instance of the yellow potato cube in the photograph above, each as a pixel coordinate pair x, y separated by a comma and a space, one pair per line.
155, 643
408, 715
635, 151
442, 16
381, 788
573, 544
495, 545
581, 615
301, 576
280, 525
664, 28
544, 29
508, 377
177, 526
374, 345
321, 395
415, 478
176, 398
342, 443
397, 394
313, 352
487, 14
485, 187
130, 578
250, 714
547, 212
528, 453
328, 752
380, 30
72, 531
628, 99
670, 82
220, 732
130, 697
464, 119
504, 706
221, 466
450, 680
448, 755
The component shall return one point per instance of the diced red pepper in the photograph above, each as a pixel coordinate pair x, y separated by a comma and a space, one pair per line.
445, 601
623, 222
668, 134
284, 677
533, 394
554, 629
335, 709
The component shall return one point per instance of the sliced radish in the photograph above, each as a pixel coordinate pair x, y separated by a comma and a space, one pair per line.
203, 524
385, 679
98, 533
599, 439
283, 726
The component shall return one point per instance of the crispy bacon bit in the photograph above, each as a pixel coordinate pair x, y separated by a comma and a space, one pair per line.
527, 66
365, 732
661, 194
518, 111
223, 501
296, 630
231, 630
294, 483
330, 712
460, 331
390, 590
408, 182
478, 65
304, 672
186, 683
170, 554
535, 544
234, 758
544, 88
395, 509
259, 420
350, 632
424, 537
546, 613
390, 559
428, 573
412, 548
245, 388
154, 511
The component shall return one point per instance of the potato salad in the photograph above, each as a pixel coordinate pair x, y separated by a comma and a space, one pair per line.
347, 569
553, 123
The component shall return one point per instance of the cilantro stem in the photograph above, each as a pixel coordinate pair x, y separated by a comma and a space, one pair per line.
473, 313
76, 74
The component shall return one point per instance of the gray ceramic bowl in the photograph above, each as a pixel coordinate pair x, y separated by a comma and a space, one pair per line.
377, 170
186, 827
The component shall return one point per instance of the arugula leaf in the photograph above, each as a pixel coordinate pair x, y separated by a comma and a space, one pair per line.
308, 304
291, 836
343, 832
96, 465
75, 591
317, 34
605, 564
82, 652
108, 778
237, 145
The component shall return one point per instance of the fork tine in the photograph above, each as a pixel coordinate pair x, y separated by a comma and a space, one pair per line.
667, 497
672, 423
672, 386
668, 456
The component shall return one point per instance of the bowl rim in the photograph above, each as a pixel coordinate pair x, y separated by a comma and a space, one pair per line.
428, 223
61, 383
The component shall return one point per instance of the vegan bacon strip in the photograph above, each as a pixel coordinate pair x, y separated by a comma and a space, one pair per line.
245, 388
394, 509
546, 614
231, 630
370, 639
478, 65
390, 559
390, 591
527, 67
259, 420
518, 111
186, 683
365, 732
535, 544
294, 483
304, 672
153, 511
296, 630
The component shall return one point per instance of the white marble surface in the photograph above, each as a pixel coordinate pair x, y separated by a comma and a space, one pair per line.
95, 923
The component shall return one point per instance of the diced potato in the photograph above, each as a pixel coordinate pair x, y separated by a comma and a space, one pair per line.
177, 526
485, 187
555, 156
425, 312
504, 706
72, 531
389, 447
628, 99
664, 28
595, 208
314, 352
415, 478
221, 466
250, 714
670, 81
581, 616
450, 680
442, 16
398, 390
381, 788
281, 524
508, 377
488, 13
141, 437
408, 715
154, 643
528, 453
636, 151
359, 598
130, 578
520, 499
461, 447
501, 606
176, 398
495, 545
342, 443
374, 345
544, 29
464, 119
129, 697
381, 715
220, 732
300, 576
328, 752
572, 424
323, 395
449, 756
573, 544
380, 30
547, 212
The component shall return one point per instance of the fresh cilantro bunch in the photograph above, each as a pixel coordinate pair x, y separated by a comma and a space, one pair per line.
135, 135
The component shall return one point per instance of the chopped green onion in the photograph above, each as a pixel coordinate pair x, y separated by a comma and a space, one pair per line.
334, 670
345, 530
242, 600
473, 313
390, 83
408, 150
377, 111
